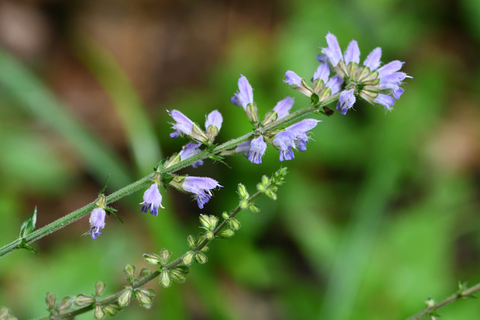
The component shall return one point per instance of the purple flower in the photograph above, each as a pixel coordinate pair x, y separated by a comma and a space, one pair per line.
293, 79
335, 84
294, 136
373, 59
200, 187
346, 101
352, 54
189, 150
322, 73
283, 107
389, 68
97, 222
214, 119
253, 149
152, 199
244, 96
333, 52
385, 100
182, 125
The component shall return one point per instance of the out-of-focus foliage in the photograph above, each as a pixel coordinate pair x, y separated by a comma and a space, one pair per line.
380, 213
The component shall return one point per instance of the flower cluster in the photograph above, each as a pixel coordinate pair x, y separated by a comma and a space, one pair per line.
375, 84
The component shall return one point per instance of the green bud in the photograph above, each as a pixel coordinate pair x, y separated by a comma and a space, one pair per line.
271, 194
242, 191
65, 304
165, 280
201, 237
204, 249
201, 257
261, 187
208, 222
209, 235
179, 274
191, 241
265, 181
111, 309
50, 299
99, 313
125, 297
83, 300
99, 288
430, 302
226, 233
225, 215
4, 312
129, 271
253, 208
243, 204
145, 272
165, 255
234, 224
152, 258
143, 297
188, 258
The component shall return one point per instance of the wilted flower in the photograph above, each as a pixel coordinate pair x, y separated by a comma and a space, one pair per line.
152, 200
97, 222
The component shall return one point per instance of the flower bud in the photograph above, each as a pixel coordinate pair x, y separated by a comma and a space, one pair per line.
65, 304
165, 255
225, 215
234, 224
209, 235
265, 181
243, 204
129, 271
111, 309
253, 208
83, 300
145, 272
99, 288
201, 258
226, 233
271, 194
179, 274
99, 313
208, 222
261, 187
125, 297
50, 299
165, 280
191, 241
201, 237
242, 191
204, 249
188, 258
152, 258
4, 312
143, 298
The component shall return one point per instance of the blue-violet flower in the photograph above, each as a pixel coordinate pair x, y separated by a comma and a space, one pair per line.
200, 187
253, 149
294, 136
152, 200
189, 150
97, 222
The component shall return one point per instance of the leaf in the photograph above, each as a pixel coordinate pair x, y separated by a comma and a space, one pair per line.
29, 224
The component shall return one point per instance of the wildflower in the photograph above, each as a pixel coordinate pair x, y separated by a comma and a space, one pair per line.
297, 83
184, 125
152, 200
213, 124
200, 187
371, 82
280, 111
189, 150
253, 149
244, 98
97, 222
294, 136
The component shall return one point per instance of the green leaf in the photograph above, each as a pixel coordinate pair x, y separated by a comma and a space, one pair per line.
29, 224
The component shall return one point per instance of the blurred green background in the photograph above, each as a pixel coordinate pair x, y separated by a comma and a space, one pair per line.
380, 213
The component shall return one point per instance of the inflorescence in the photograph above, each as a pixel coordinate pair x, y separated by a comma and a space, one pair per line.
339, 77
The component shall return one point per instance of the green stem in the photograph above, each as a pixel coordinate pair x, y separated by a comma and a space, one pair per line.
114, 297
462, 294
143, 182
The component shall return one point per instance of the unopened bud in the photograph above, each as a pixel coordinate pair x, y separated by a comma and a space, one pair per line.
152, 258
234, 224
201, 258
99, 313
125, 297
165, 280
188, 258
50, 299
265, 181
242, 191
111, 309
243, 204
253, 208
261, 187
191, 241
65, 304
225, 215
144, 298
165, 255
83, 300
145, 272
209, 235
99, 288
179, 274
129, 271
271, 194
226, 233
